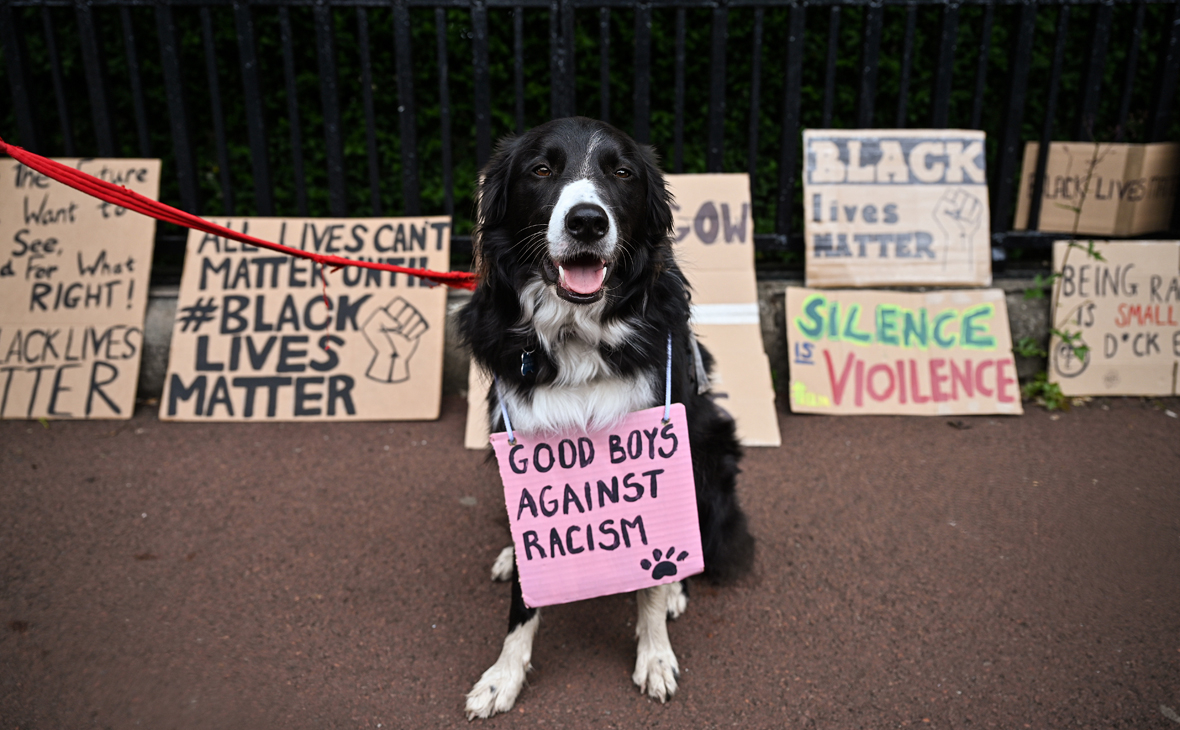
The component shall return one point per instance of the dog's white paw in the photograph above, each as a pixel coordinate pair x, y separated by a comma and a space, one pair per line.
656, 672
496, 690
505, 562
677, 600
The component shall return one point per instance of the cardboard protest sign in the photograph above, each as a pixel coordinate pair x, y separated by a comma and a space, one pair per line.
873, 352
258, 336
1125, 310
73, 292
714, 245
602, 513
896, 207
1102, 189
714, 231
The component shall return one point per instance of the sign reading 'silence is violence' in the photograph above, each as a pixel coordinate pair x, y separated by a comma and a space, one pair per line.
73, 291
866, 352
259, 336
896, 207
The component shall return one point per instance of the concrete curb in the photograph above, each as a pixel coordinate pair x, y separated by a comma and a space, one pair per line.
1027, 317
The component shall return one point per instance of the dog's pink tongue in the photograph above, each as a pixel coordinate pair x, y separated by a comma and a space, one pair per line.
583, 279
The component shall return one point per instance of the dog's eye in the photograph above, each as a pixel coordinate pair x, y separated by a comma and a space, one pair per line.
542, 171
622, 173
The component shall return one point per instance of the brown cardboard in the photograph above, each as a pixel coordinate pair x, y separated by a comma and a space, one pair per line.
1102, 189
714, 230
853, 354
73, 292
715, 250
1126, 309
374, 354
893, 207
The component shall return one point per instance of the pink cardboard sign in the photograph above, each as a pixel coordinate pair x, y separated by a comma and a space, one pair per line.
602, 513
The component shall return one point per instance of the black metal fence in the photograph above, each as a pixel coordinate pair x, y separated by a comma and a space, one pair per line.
239, 127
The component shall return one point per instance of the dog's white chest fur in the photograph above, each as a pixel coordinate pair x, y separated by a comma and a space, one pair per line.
587, 394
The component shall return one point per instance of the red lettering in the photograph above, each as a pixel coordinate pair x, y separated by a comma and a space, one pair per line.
1120, 319
838, 385
901, 381
914, 389
860, 383
869, 383
963, 378
979, 378
1002, 383
936, 364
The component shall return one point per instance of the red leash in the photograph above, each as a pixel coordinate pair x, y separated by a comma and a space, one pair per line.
131, 200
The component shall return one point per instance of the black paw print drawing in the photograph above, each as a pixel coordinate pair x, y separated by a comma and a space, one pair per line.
664, 568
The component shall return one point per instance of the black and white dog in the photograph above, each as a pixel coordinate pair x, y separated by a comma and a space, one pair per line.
578, 290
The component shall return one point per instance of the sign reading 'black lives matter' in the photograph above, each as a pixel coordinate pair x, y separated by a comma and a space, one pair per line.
259, 337
73, 291
896, 207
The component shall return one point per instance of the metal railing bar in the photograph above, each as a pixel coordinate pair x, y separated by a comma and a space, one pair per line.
16, 69
59, 92
407, 111
945, 66
482, 79
907, 64
255, 116
830, 66
678, 112
755, 95
1009, 150
1166, 72
136, 83
518, 64
363, 48
604, 64
94, 67
1120, 130
555, 60
211, 78
570, 75
870, 65
330, 101
1038, 181
1095, 67
642, 123
789, 143
182, 149
715, 159
293, 111
985, 45
444, 111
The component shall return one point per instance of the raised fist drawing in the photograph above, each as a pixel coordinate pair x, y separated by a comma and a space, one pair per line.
394, 333
958, 213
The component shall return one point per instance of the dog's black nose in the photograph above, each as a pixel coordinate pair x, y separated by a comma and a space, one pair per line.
587, 222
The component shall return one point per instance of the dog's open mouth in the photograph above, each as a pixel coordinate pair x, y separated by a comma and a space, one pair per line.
580, 278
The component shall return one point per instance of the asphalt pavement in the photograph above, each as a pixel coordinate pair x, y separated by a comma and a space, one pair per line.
1006, 572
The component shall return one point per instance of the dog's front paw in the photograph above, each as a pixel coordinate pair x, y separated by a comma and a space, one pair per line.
504, 565
656, 672
677, 600
496, 690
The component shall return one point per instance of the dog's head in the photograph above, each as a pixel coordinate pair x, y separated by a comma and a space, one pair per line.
575, 202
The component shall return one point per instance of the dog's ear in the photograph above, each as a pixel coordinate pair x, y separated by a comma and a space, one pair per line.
659, 208
491, 198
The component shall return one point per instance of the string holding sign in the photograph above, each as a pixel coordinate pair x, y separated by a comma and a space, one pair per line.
131, 200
